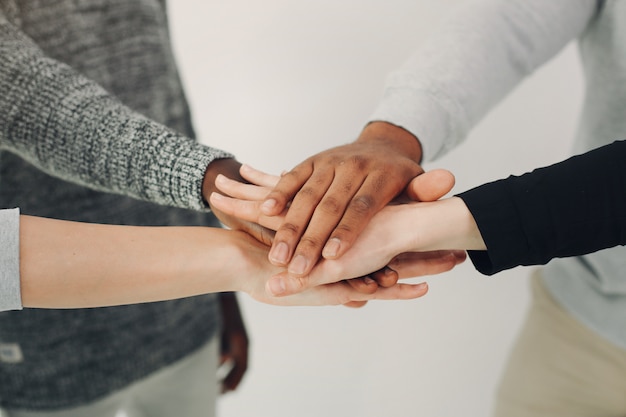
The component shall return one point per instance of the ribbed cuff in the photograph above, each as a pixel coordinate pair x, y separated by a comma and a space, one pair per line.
500, 226
418, 112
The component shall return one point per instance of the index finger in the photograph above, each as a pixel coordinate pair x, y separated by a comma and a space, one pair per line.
287, 187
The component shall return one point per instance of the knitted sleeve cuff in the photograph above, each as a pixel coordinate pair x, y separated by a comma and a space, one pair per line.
177, 178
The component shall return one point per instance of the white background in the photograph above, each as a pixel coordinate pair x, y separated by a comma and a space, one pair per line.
276, 81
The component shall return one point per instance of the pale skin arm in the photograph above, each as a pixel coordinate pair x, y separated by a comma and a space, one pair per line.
75, 265
397, 236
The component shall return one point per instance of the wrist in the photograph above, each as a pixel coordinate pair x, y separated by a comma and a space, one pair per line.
394, 136
228, 167
447, 224
469, 237
253, 268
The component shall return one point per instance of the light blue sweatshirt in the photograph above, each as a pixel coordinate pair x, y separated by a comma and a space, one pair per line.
479, 55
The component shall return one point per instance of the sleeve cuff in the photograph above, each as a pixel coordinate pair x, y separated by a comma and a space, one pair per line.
423, 115
500, 226
10, 293
186, 173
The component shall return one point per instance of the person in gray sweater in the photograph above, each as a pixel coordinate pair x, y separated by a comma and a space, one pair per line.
94, 127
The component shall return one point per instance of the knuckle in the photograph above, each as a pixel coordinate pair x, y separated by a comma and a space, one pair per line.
318, 180
387, 280
343, 229
388, 184
308, 242
359, 162
292, 180
362, 204
365, 288
301, 284
296, 173
307, 192
331, 158
289, 229
331, 205
347, 295
347, 186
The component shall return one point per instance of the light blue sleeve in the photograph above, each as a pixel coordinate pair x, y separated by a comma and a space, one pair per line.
477, 56
10, 294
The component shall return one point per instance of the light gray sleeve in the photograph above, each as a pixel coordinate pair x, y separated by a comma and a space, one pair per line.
10, 295
70, 127
478, 55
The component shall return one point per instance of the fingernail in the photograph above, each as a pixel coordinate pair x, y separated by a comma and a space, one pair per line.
279, 253
276, 286
331, 249
368, 280
298, 265
220, 178
268, 205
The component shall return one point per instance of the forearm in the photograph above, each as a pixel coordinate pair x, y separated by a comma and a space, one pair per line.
68, 264
68, 126
78, 265
443, 224
570, 208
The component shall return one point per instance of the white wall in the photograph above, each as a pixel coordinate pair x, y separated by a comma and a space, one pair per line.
276, 81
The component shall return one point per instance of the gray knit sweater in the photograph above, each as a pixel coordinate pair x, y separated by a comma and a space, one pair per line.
87, 89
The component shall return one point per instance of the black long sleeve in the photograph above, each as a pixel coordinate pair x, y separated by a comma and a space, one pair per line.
574, 207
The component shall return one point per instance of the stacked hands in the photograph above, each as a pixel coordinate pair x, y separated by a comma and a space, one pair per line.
369, 268
345, 225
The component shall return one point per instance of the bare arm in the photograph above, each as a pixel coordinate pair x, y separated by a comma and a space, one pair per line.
71, 265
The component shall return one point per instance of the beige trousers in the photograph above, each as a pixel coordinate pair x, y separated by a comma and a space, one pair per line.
560, 367
187, 388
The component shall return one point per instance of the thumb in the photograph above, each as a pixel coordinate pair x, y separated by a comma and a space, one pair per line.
431, 185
